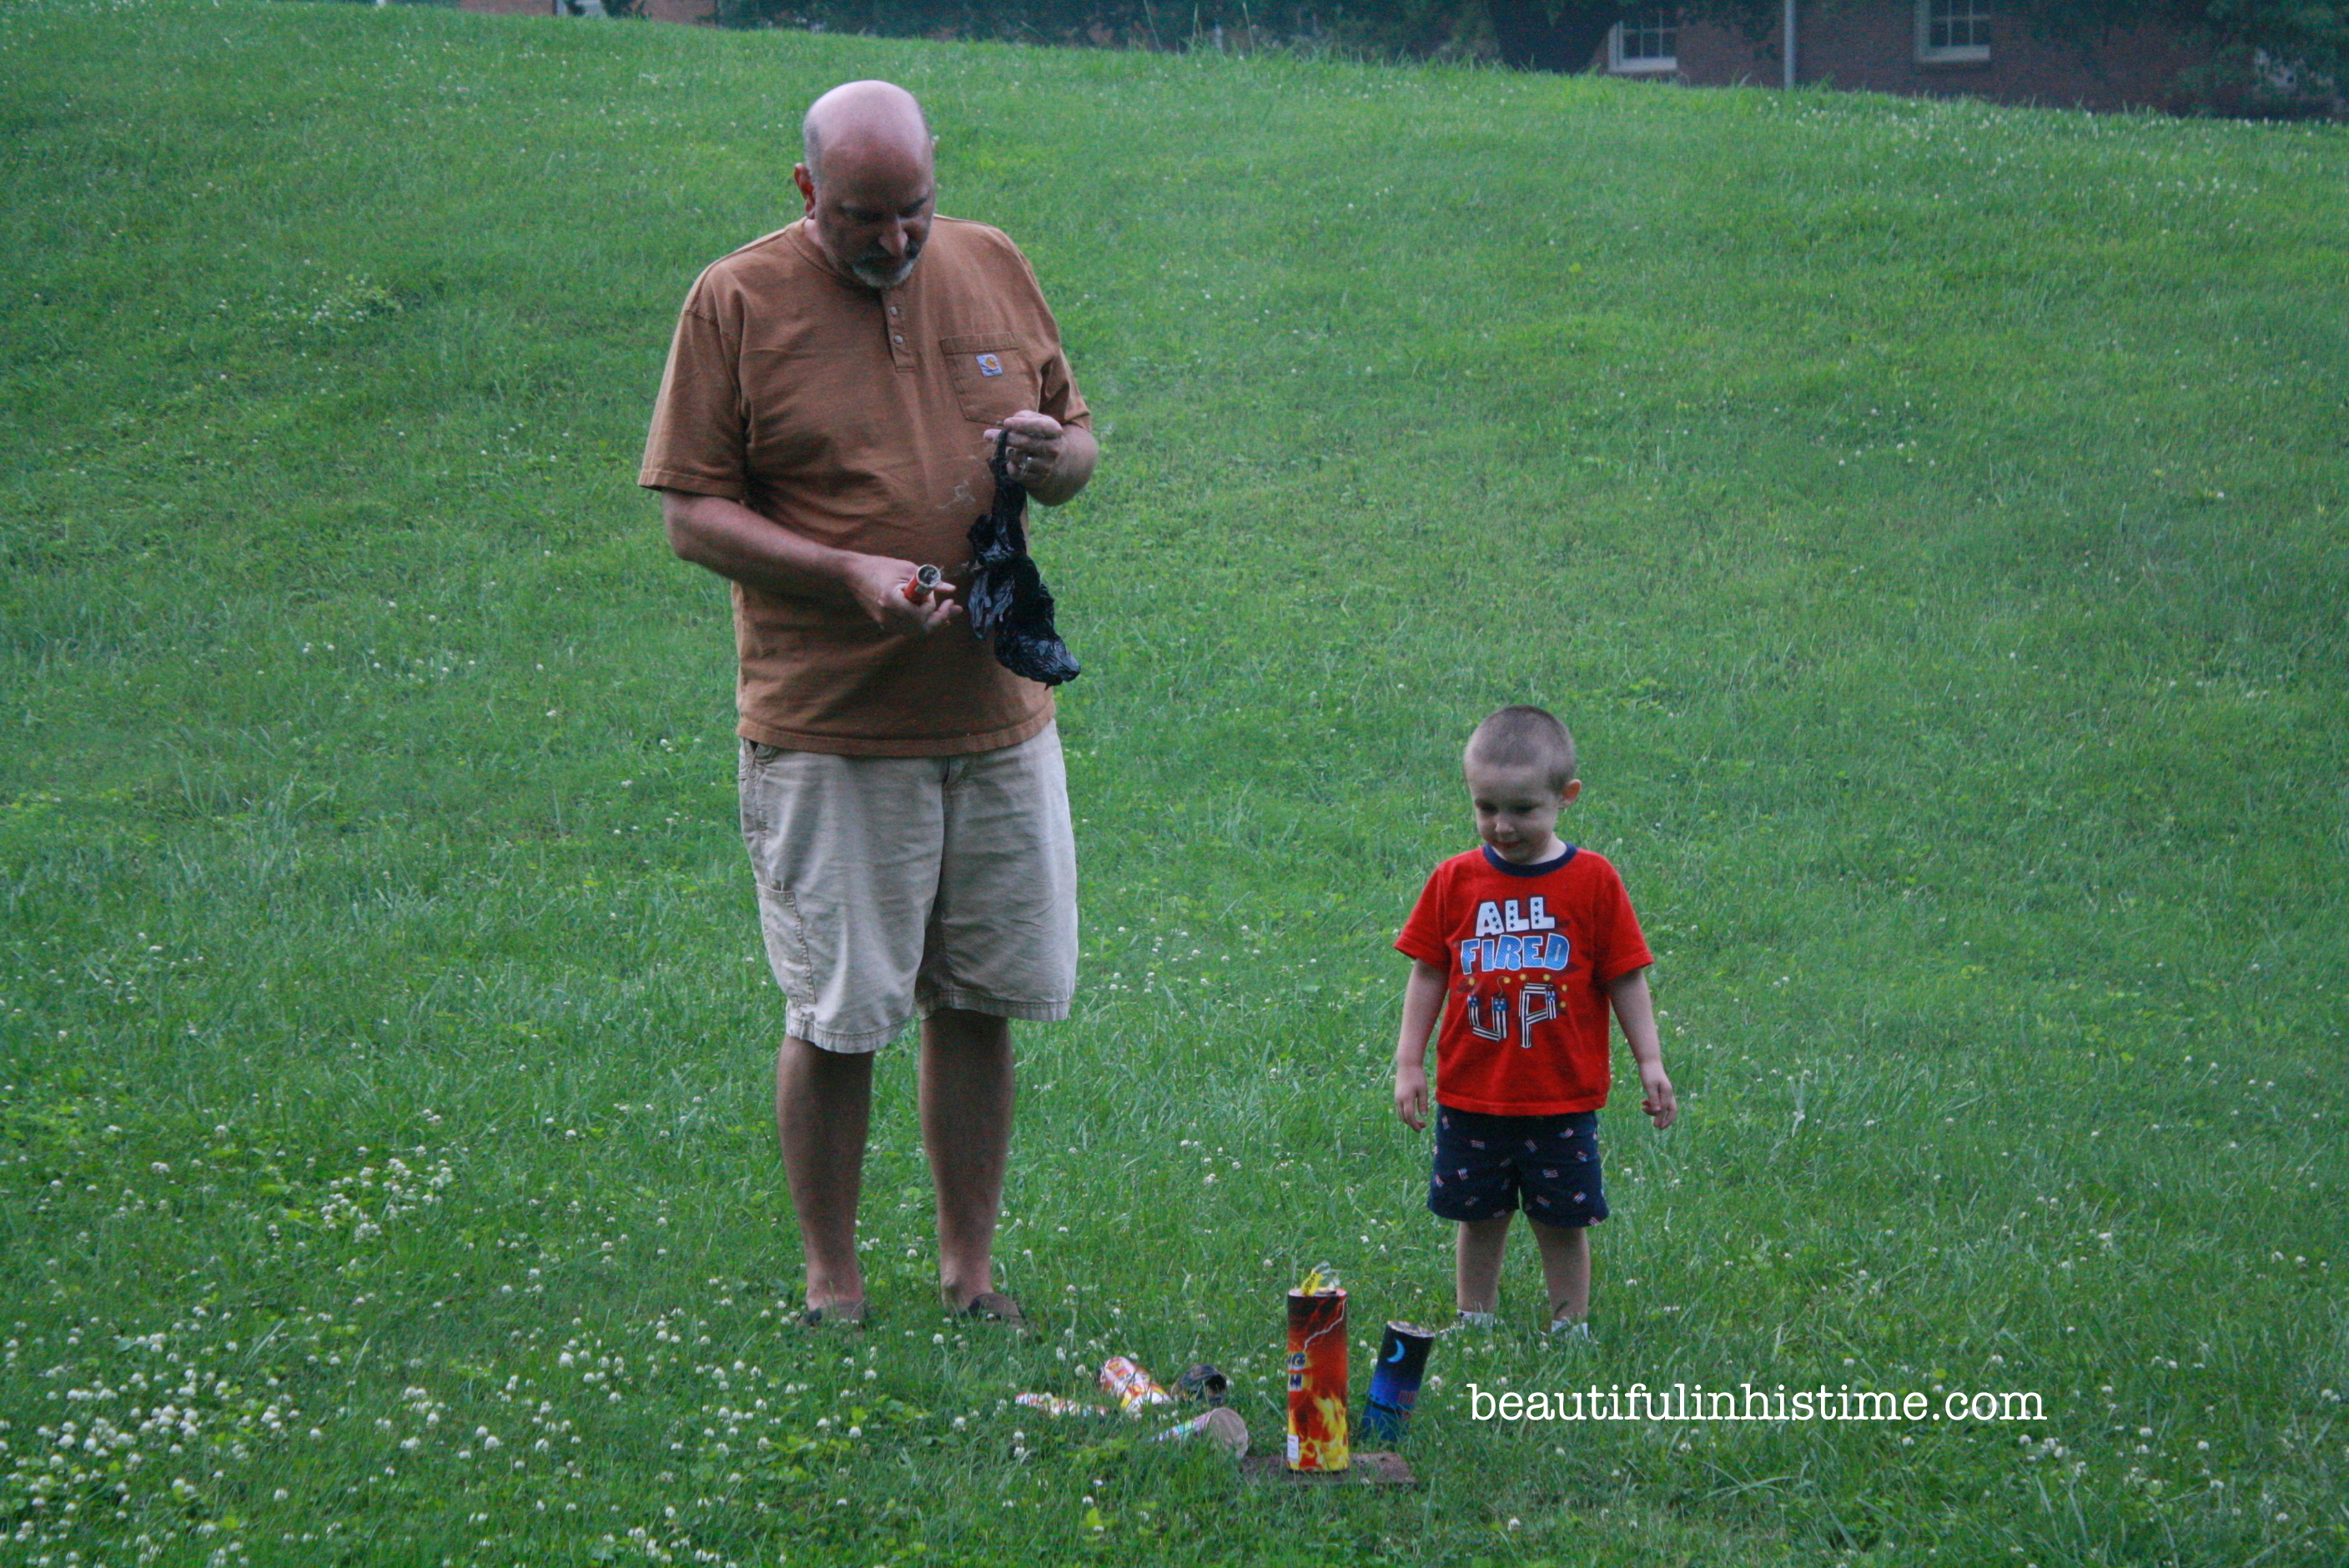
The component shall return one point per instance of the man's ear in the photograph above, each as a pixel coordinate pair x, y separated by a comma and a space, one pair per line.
806, 183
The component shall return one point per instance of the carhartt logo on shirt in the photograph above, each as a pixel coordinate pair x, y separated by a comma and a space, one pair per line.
989, 364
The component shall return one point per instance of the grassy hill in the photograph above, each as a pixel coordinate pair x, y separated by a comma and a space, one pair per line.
1929, 516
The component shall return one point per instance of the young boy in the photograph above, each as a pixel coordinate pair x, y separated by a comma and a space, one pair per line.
1533, 940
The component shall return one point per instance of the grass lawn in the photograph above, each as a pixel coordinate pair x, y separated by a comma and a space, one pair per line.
1930, 518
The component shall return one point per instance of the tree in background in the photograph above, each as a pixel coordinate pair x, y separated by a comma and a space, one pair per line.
2280, 54
2254, 35
1550, 35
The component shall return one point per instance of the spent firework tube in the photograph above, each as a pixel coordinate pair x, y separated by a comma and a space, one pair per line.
924, 580
1317, 1374
1134, 1389
1223, 1427
1394, 1381
1053, 1405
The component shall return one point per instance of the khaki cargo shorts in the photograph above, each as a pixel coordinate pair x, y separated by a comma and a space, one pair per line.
889, 886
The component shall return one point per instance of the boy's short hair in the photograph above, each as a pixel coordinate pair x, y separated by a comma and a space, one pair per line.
1523, 736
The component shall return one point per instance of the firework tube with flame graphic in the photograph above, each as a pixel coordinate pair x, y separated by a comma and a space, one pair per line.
1317, 1374
1394, 1381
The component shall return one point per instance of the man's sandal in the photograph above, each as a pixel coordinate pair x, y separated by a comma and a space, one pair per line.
994, 1306
839, 1313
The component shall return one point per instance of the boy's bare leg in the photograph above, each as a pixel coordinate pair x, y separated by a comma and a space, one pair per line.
1476, 1272
967, 1090
1566, 1268
823, 1105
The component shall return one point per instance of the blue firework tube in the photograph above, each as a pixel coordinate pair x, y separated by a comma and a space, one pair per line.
1394, 1381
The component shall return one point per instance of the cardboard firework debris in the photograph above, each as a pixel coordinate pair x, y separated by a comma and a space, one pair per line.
1317, 1373
1223, 1427
1134, 1389
1204, 1382
1395, 1379
1053, 1405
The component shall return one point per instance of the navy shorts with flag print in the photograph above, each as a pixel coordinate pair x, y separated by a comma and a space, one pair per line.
1546, 1165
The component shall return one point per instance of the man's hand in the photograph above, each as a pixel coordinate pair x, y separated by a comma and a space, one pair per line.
1048, 459
738, 544
886, 590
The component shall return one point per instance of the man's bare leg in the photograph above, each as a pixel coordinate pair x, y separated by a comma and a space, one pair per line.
967, 1095
823, 1105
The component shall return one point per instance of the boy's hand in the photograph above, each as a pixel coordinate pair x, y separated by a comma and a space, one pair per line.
1656, 1097
1422, 1005
1627, 994
1411, 1096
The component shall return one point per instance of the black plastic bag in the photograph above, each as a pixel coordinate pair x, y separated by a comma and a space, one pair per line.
1008, 599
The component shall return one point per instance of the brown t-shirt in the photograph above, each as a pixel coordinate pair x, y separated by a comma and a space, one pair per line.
856, 419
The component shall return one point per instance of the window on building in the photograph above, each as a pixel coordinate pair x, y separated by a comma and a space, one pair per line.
1644, 43
1952, 31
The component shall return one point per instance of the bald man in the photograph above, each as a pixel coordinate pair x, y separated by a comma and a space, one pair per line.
833, 395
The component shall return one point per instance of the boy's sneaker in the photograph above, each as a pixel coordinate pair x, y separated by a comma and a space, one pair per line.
1572, 1331
1485, 1320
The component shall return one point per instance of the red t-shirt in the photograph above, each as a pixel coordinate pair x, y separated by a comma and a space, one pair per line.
1529, 950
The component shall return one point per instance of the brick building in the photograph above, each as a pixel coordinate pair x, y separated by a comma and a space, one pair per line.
1920, 48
